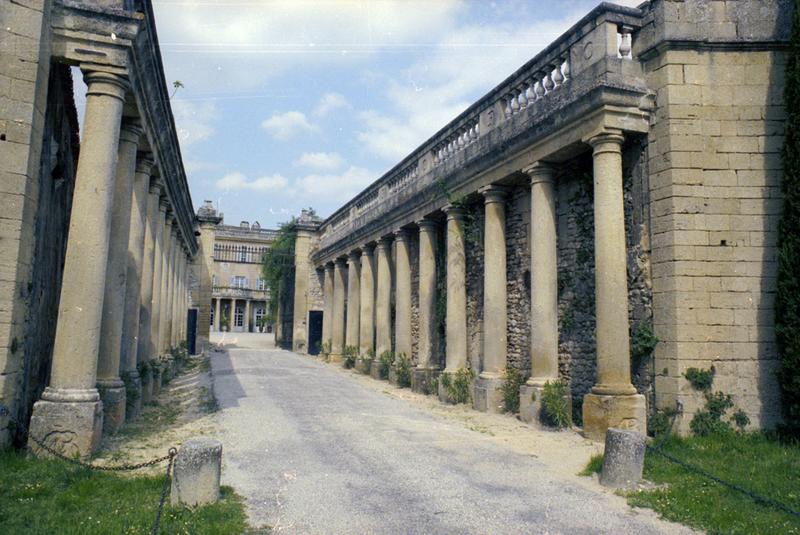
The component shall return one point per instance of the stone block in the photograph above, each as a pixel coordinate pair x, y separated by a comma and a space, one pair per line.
393, 376
421, 379
530, 403
375, 369
112, 394
487, 396
71, 428
603, 411
147, 387
363, 366
623, 460
195, 477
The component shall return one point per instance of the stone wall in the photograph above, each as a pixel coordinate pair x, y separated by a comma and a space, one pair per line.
518, 265
316, 281
715, 171
473, 231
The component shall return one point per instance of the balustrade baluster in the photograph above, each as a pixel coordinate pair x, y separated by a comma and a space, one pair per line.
558, 78
523, 99
539, 88
549, 85
625, 42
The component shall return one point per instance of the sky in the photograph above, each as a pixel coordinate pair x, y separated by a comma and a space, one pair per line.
288, 104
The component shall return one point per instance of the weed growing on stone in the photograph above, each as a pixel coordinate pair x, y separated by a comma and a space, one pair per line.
349, 355
385, 362
595, 466
459, 385
709, 420
643, 341
512, 381
432, 386
556, 405
403, 370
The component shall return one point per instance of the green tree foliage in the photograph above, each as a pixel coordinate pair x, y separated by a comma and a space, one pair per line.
787, 302
277, 267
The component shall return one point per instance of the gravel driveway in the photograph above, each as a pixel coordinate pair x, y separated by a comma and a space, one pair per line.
315, 451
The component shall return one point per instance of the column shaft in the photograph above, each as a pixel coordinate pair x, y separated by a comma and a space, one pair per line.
70, 403
353, 299
154, 346
338, 325
427, 294
402, 298
544, 276
383, 298
327, 315
495, 316
367, 301
247, 315
456, 324
217, 312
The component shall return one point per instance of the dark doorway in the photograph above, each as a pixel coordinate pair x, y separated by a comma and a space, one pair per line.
191, 331
314, 332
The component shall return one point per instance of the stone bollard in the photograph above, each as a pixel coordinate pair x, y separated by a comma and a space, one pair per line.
624, 459
195, 477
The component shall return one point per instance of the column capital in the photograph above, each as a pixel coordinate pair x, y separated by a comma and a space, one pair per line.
328, 266
130, 130
401, 235
426, 225
163, 203
606, 141
170, 217
105, 83
493, 193
155, 186
367, 251
144, 163
385, 243
454, 211
540, 172
341, 262
354, 256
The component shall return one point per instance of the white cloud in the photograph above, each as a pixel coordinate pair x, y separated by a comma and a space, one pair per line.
193, 120
238, 181
334, 187
330, 102
283, 126
321, 161
239, 45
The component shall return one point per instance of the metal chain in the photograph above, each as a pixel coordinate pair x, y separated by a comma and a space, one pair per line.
658, 449
164, 488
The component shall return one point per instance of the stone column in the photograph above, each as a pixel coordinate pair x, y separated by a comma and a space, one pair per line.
133, 282
302, 272
158, 265
327, 315
427, 363
383, 299
495, 317
203, 265
247, 315
456, 323
166, 272
366, 323
146, 292
338, 325
109, 384
217, 316
353, 299
69, 416
613, 401
402, 296
544, 290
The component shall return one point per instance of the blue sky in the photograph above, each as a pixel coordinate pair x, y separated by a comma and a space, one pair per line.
290, 104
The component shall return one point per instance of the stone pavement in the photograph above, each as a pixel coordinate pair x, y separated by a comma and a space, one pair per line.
314, 450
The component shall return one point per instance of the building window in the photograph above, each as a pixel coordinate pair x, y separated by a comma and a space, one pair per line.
211, 316
242, 254
239, 282
261, 284
259, 314
238, 317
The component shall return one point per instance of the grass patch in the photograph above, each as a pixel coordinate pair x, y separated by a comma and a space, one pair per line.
595, 466
50, 496
153, 420
752, 460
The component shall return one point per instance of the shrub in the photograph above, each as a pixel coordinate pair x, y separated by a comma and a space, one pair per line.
556, 405
700, 379
660, 422
385, 362
510, 389
431, 386
459, 385
325, 351
403, 370
741, 419
368, 360
643, 341
349, 354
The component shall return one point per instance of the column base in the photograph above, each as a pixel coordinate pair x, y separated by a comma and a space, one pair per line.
487, 394
335, 358
363, 366
133, 396
73, 428
531, 407
601, 411
112, 394
392, 375
375, 369
422, 379
156, 382
147, 386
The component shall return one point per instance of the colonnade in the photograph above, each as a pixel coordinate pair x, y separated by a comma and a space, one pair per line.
372, 278
124, 294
